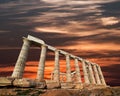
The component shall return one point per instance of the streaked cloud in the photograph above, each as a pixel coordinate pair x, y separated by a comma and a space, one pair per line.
50, 29
109, 20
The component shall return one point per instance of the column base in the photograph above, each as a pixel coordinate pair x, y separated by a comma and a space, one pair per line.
78, 85
93, 86
24, 82
67, 85
51, 84
29, 83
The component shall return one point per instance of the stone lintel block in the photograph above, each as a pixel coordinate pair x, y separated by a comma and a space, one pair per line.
6, 81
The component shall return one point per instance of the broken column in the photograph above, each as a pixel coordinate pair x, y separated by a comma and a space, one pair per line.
20, 64
41, 66
86, 79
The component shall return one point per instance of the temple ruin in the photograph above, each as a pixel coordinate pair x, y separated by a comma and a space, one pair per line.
91, 71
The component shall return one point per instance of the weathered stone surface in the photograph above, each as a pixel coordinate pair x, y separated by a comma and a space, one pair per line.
7, 92
6, 81
24, 82
93, 86
60, 92
53, 84
67, 85
109, 91
40, 84
78, 86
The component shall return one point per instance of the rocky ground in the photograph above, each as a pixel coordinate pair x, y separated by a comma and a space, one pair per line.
110, 91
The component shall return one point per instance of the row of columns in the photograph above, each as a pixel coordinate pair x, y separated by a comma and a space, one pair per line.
93, 73
90, 76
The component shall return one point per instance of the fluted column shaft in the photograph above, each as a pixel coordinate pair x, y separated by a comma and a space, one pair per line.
77, 71
20, 64
68, 69
85, 73
91, 73
96, 75
41, 66
57, 67
101, 75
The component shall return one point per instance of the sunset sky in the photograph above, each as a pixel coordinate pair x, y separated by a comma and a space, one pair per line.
89, 29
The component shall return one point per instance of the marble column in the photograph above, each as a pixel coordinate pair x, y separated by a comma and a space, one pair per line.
41, 66
86, 79
68, 68
57, 67
92, 78
78, 76
101, 75
20, 64
96, 74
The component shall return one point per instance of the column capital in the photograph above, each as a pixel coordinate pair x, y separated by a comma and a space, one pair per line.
72, 56
76, 58
67, 54
97, 65
26, 39
80, 59
94, 64
44, 45
57, 50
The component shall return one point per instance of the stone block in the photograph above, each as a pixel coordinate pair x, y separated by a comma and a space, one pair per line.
68, 85
78, 86
6, 81
53, 84
24, 82
40, 84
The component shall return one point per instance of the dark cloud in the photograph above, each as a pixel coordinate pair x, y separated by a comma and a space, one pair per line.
112, 74
111, 9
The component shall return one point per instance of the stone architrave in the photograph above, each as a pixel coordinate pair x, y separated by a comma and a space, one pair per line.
85, 73
56, 67
20, 64
68, 68
78, 76
41, 66
96, 74
91, 73
101, 75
